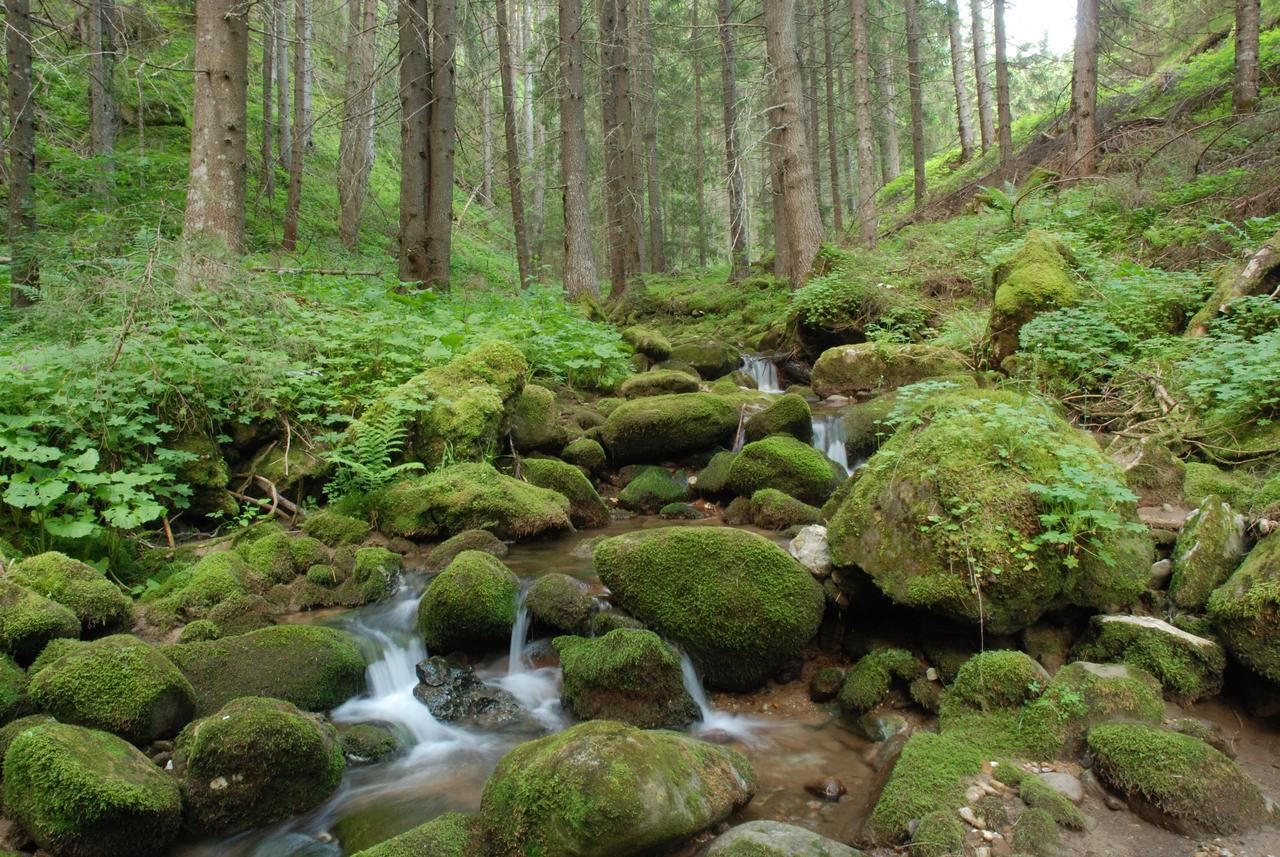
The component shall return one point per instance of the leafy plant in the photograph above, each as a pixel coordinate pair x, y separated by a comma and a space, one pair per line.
364, 463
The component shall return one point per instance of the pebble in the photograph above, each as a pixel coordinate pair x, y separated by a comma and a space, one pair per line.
827, 788
931, 674
974, 793
969, 818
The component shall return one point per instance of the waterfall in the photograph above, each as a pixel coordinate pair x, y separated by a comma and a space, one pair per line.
537, 690
519, 636
828, 438
736, 726
763, 372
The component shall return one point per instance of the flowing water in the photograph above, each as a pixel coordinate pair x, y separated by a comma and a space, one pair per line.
763, 372
828, 438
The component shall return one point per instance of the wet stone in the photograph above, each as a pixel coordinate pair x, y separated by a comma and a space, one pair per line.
827, 788
454, 694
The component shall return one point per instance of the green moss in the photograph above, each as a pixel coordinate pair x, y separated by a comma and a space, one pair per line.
680, 512
450, 835
1189, 667
374, 572
471, 605
658, 382
929, 776
787, 464
306, 552
29, 621
87, 793
660, 428
271, 557
710, 358
97, 602
586, 509
774, 510
335, 529
736, 602
14, 728
1235, 487
998, 679
653, 487
648, 342
1082, 695
119, 684
939, 834
242, 615
312, 667
1037, 793
323, 575
467, 540
626, 675
368, 742
1209, 547
1035, 279
714, 478
788, 414
199, 630
1036, 833
869, 680
1181, 776
535, 420
584, 453
604, 621
873, 367
561, 602
1266, 502
991, 809
191, 593
15, 700
469, 497
1246, 610
255, 761
206, 475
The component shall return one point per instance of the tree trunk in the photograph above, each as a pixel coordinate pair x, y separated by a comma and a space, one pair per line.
298, 147
699, 154
285, 141
441, 130
959, 75
415, 110
102, 61
24, 270
216, 182
486, 144
833, 146
634, 158
887, 87
523, 262
1082, 128
579, 261
657, 254
1245, 91
849, 135
268, 180
986, 124
736, 181
790, 152
917, 99
621, 194
866, 131
1002, 87
809, 60
305, 70
354, 163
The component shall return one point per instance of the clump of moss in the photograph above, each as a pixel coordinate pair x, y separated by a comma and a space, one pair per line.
450, 835
873, 367
585, 454
15, 700
710, 358
1203, 481
373, 574
647, 341
681, 512
1209, 547
626, 675
929, 776
1036, 833
658, 382
1037, 793
1082, 695
869, 681
535, 424
365, 743
786, 464
653, 487
586, 509
788, 414
991, 809
1037, 278
29, 621
605, 621
242, 615
998, 679
97, 602
825, 684
467, 540
200, 630
1182, 777
1246, 610
660, 428
335, 529
271, 557
191, 593
1190, 667
938, 834
560, 602
323, 575
471, 605
714, 478
774, 510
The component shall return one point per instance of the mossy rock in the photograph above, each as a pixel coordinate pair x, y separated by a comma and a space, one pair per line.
998, 679
736, 602
710, 358
1184, 780
1036, 279
1266, 501
254, 762
774, 510
15, 698
585, 454
535, 420
560, 602
470, 497
83, 793
242, 615
271, 558
1151, 470
366, 743
763, 838
647, 341
1236, 487
658, 382
469, 606
661, 428
788, 414
1036, 833
199, 631
604, 621
630, 676
97, 602
335, 529
586, 509
314, 668
939, 499
680, 512
14, 728
467, 540
1080, 696
450, 835
28, 622
1035, 792
118, 684
787, 464
714, 478
1209, 547
869, 368
1189, 667
653, 487
930, 775
605, 789
939, 834
869, 681
205, 474
191, 593
1246, 610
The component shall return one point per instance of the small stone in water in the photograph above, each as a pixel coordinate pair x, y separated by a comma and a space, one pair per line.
827, 788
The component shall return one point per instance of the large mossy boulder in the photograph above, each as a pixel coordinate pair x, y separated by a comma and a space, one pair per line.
1082, 695
1000, 678
1037, 278
788, 414
626, 675
470, 497
605, 789
652, 487
714, 478
786, 464
658, 382
335, 529
736, 602
15, 696
192, 593
312, 667
535, 420
1246, 610
29, 621
586, 509
647, 341
470, 606
710, 358
957, 497
775, 839
868, 368
119, 684
585, 454
931, 774
869, 680
1210, 546
1190, 667
467, 540
97, 602
450, 835
83, 793
1176, 779
253, 762
560, 602
661, 428
205, 473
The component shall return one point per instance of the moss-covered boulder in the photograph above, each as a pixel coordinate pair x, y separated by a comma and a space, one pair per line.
586, 509
191, 593
29, 621
931, 774
787, 464
998, 679
205, 473
97, 602
83, 793
873, 367
1190, 667
658, 382
271, 558
1151, 469
586, 454
626, 675
1246, 610
958, 497
119, 684
1179, 779
469, 606
1035, 279
15, 696
775, 839
450, 835
314, 668
535, 420
869, 681
469, 497
1080, 696
710, 358
661, 428
367, 743
560, 602
736, 602
335, 529
241, 615
939, 834
652, 487
467, 540
774, 510
714, 478
605, 789
255, 761
788, 414
647, 341
1209, 547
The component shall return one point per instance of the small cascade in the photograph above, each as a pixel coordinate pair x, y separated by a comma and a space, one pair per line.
828, 438
734, 725
538, 691
763, 372
519, 636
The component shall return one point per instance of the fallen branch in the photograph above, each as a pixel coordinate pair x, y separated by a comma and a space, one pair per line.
324, 272
261, 504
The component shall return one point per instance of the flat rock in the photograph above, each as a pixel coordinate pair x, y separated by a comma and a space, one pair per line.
1067, 785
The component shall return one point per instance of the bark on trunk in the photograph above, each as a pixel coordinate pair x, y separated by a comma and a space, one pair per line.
305, 70
887, 87
917, 99
866, 131
486, 144
280, 8
621, 193
298, 147
507, 73
267, 182
986, 124
699, 154
833, 146
959, 77
735, 179
102, 61
1082, 127
440, 137
1002, 87
1245, 92
415, 100
579, 260
809, 62
24, 270
657, 252
354, 141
